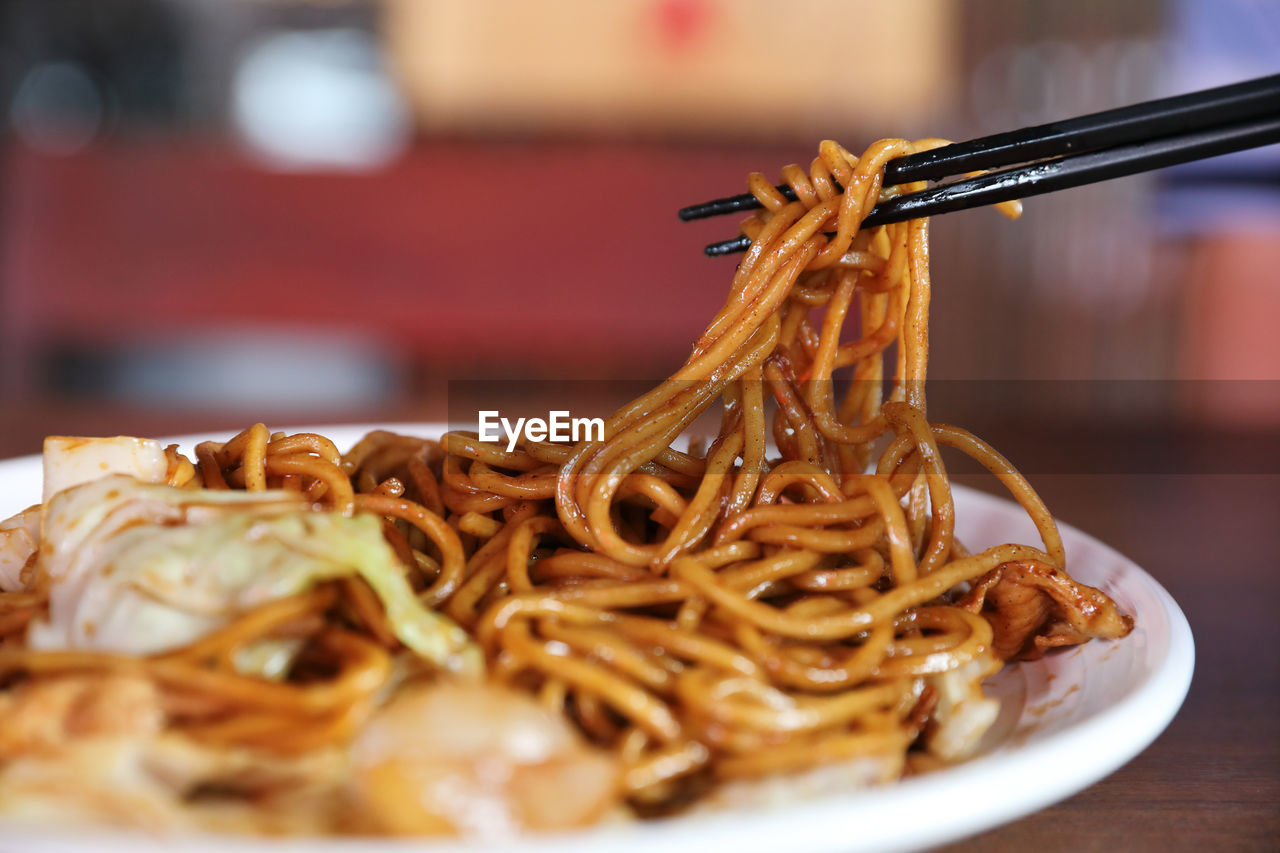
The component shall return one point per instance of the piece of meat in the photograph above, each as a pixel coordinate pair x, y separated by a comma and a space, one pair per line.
962, 711
1033, 607
170, 783
95, 782
19, 541
45, 715
480, 761
92, 750
72, 460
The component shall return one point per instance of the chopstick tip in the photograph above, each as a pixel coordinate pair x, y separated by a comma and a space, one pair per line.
728, 247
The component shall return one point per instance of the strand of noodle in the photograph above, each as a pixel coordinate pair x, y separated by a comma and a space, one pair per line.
743, 703
479, 526
952, 656
901, 560
369, 609
365, 667
843, 579
702, 509
809, 514
254, 624
520, 547
696, 648
826, 541
579, 564
643, 709
802, 754
883, 609
444, 537
207, 465
1012, 480
306, 443
856, 664
663, 765
606, 647
428, 489
338, 491
538, 484
942, 530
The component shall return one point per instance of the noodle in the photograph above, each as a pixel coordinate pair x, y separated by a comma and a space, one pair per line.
726, 614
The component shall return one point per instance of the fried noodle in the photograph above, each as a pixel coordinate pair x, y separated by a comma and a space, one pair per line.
790, 597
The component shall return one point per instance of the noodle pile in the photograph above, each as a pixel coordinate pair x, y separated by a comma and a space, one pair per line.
794, 595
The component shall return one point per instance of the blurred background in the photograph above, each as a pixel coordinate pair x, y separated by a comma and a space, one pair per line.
330, 209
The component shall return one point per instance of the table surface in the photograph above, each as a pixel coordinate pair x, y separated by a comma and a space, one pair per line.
1207, 532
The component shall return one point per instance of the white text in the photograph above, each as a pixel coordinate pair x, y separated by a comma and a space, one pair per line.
558, 426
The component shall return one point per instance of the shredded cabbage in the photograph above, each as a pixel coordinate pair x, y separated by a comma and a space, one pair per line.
143, 569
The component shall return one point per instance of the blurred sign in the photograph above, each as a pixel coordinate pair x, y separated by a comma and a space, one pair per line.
735, 67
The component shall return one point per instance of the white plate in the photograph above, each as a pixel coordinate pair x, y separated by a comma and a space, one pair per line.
1067, 721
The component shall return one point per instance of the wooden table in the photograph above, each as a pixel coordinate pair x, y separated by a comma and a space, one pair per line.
1205, 526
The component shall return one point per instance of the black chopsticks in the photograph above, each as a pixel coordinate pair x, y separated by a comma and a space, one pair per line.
1059, 155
